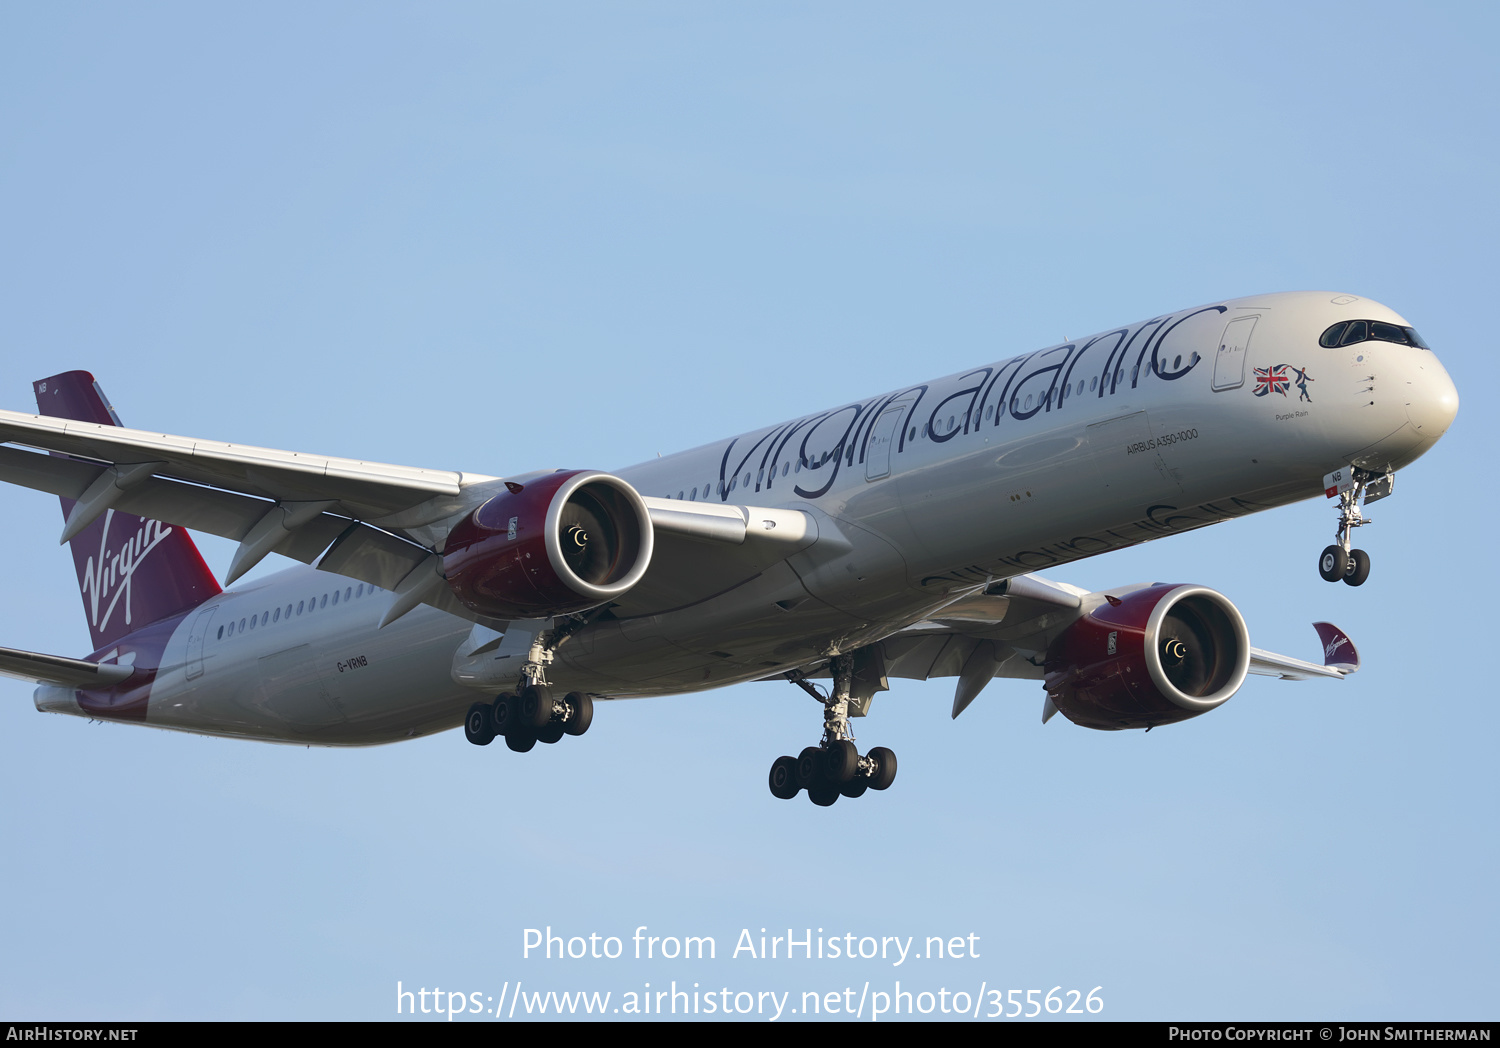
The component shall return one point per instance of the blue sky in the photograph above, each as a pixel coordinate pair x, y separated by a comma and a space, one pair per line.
498, 239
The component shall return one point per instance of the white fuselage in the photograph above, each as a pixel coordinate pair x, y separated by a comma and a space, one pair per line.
919, 495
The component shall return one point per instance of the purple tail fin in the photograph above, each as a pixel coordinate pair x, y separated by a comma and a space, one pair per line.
131, 571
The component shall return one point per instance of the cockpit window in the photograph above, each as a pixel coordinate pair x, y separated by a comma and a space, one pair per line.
1331, 337
1348, 332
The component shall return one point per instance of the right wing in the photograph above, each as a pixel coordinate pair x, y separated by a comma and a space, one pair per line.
378, 523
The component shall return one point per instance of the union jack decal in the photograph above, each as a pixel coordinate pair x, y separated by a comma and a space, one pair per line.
1273, 379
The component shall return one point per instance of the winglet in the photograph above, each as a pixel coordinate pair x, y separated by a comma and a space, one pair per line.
1339, 652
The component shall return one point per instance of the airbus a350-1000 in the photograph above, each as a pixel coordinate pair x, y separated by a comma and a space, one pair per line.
893, 536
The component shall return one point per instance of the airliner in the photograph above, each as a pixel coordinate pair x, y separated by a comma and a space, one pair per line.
899, 535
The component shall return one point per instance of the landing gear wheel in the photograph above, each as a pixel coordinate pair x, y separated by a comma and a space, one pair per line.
809, 767
784, 778
582, 706
536, 707
551, 733
1358, 569
822, 793
1332, 563
503, 714
479, 725
521, 740
841, 761
885, 768
855, 787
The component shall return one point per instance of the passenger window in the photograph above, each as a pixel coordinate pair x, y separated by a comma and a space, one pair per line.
221, 633
276, 615
324, 602
335, 598
299, 607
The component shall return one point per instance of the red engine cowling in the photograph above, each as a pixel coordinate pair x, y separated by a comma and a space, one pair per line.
1155, 656
557, 544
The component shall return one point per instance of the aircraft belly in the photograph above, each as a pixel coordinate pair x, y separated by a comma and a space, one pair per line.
768, 624
340, 684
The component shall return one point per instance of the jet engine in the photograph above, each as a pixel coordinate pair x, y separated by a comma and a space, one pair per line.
560, 543
1153, 656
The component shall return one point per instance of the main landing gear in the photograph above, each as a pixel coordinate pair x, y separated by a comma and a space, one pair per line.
1339, 562
834, 768
533, 714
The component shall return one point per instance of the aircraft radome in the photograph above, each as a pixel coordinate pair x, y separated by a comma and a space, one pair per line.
890, 536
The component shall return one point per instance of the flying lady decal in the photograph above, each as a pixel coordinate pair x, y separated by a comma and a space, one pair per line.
1275, 379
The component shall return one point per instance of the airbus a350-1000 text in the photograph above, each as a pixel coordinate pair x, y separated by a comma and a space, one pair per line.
893, 536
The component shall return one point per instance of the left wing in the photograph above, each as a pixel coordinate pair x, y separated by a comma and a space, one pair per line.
1006, 629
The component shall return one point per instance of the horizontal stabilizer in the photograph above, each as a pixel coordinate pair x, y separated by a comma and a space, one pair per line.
56, 669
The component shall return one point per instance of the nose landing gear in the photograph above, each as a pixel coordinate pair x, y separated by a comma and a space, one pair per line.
834, 768
1339, 562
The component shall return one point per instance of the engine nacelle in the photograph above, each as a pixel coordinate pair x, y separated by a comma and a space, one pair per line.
1155, 656
560, 543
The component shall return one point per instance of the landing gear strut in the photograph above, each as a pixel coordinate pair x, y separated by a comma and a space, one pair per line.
534, 713
1339, 562
834, 768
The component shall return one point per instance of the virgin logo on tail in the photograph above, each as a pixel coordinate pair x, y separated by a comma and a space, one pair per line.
1333, 646
107, 578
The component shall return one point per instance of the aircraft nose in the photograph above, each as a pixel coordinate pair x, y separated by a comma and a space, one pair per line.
1432, 400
